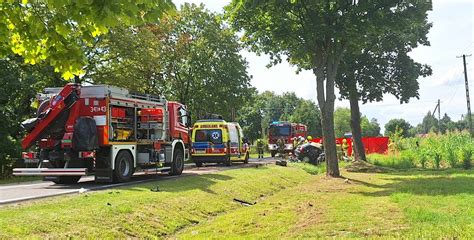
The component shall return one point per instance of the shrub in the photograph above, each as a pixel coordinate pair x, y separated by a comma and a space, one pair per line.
402, 161
451, 157
466, 156
437, 159
422, 158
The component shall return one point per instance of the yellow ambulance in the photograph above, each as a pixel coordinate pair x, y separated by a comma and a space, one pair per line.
218, 141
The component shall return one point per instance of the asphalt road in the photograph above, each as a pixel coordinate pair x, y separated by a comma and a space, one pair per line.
14, 193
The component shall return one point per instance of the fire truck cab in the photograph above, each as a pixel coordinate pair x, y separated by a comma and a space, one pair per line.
104, 131
285, 131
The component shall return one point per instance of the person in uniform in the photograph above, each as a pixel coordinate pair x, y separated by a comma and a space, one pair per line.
281, 146
344, 147
260, 148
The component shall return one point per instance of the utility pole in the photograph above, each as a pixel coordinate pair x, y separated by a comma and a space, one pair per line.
439, 116
468, 99
438, 107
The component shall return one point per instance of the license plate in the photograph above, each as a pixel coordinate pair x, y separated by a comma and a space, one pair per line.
200, 151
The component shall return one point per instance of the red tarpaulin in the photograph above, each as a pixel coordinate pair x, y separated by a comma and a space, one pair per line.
371, 144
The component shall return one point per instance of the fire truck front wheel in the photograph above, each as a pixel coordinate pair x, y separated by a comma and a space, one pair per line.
177, 166
123, 167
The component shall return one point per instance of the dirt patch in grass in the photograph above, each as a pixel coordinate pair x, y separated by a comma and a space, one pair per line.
365, 167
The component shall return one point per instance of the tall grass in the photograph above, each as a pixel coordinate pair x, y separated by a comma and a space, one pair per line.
452, 149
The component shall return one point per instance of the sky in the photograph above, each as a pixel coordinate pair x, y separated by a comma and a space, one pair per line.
452, 35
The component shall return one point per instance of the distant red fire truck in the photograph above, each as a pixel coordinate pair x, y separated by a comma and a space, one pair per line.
285, 131
104, 131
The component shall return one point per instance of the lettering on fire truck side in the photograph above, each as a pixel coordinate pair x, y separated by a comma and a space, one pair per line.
98, 109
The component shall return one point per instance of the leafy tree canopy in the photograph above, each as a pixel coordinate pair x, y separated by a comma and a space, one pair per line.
191, 56
56, 31
342, 124
395, 125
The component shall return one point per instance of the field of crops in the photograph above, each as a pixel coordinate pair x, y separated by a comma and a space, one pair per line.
451, 150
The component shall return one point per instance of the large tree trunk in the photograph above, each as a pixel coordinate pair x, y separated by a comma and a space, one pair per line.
327, 120
358, 146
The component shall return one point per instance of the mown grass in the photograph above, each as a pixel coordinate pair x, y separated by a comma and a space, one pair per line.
290, 202
138, 212
410, 204
16, 179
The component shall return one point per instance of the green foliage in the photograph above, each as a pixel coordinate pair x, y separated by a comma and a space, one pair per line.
129, 58
342, 123
57, 31
370, 129
430, 124
391, 161
466, 156
450, 156
396, 141
267, 107
20, 83
433, 150
397, 124
191, 57
308, 113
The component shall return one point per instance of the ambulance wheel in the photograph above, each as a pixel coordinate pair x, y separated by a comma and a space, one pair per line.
177, 166
227, 161
123, 167
246, 160
67, 179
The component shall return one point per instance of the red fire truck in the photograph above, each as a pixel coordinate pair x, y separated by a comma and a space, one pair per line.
104, 131
285, 131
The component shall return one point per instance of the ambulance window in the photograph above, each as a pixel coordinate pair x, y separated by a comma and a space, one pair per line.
208, 135
233, 135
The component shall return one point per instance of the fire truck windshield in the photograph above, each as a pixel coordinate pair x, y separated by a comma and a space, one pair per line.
280, 130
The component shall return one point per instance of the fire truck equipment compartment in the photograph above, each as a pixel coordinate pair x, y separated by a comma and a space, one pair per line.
85, 135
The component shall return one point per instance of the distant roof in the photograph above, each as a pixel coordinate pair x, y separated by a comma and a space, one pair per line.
210, 120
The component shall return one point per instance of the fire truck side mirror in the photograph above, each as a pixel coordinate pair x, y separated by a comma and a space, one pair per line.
188, 120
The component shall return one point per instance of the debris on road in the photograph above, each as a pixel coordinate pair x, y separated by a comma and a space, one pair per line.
282, 163
244, 203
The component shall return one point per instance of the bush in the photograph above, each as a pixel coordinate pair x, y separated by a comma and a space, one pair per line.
451, 157
434, 151
437, 159
392, 161
422, 158
466, 156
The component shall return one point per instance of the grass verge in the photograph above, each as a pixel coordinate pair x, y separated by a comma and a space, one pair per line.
397, 205
21, 179
138, 212
290, 202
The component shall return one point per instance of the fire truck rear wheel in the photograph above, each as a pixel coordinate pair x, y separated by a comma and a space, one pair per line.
177, 166
123, 167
